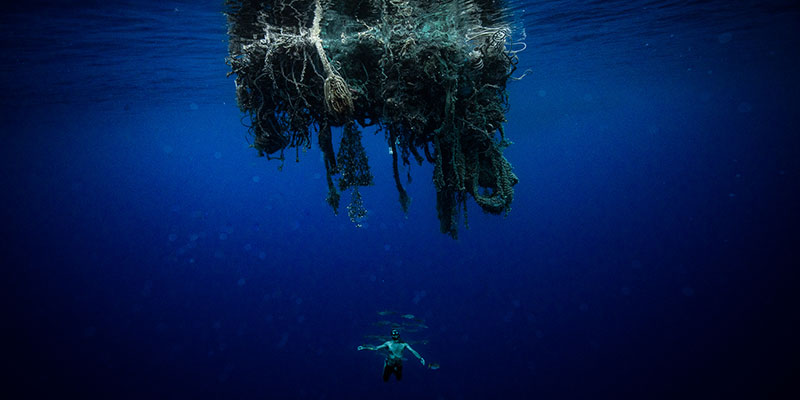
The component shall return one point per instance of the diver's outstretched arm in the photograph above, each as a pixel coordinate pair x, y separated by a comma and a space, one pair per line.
369, 347
414, 352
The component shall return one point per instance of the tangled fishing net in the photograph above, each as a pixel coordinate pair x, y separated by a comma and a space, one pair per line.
431, 75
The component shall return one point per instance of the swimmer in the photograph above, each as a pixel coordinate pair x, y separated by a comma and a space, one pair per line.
394, 361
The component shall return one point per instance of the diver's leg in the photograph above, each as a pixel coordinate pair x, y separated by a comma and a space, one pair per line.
398, 371
387, 372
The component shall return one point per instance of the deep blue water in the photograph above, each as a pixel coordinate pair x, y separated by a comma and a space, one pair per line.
149, 253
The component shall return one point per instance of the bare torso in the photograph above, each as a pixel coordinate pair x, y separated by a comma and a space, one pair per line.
395, 348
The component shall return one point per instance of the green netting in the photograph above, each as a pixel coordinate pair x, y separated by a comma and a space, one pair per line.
431, 75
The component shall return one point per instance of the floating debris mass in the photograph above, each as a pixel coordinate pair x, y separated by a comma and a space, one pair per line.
431, 75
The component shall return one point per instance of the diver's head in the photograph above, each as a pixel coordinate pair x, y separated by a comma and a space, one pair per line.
395, 335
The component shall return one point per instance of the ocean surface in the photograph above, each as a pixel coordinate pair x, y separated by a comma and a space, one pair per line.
650, 252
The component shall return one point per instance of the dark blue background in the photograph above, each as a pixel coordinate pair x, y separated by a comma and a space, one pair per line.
149, 253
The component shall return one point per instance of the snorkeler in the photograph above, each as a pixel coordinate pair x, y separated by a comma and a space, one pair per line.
394, 361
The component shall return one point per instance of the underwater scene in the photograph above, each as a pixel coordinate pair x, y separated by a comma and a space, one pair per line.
397, 199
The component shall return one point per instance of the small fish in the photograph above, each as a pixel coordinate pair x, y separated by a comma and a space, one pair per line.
408, 316
386, 312
433, 366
